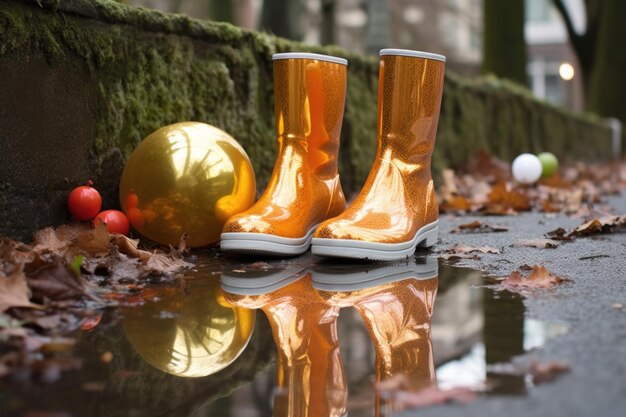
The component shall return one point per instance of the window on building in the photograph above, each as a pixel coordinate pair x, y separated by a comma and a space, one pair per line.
537, 10
554, 89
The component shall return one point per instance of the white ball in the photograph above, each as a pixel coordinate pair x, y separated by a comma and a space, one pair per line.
526, 168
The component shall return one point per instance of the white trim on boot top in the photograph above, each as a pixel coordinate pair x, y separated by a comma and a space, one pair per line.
264, 244
426, 236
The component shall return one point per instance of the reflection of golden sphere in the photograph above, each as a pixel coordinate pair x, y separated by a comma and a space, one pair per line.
189, 178
190, 335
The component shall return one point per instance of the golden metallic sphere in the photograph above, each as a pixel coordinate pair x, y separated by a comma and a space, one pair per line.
190, 333
189, 178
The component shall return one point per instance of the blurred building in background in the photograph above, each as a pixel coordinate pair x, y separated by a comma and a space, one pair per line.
552, 64
449, 27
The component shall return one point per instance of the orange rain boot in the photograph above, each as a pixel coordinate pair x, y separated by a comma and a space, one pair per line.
304, 189
397, 208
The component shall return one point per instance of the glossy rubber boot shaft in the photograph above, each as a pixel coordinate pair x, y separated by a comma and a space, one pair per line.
304, 188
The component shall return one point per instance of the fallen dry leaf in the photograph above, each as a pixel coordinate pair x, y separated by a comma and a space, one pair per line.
535, 243
504, 199
463, 249
559, 234
600, 225
55, 281
540, 277
479, 227
397, 390
14, 252
46, 240
540, 372
93, 242
484, 164
457, 256
485, 186
14, 291
547, 371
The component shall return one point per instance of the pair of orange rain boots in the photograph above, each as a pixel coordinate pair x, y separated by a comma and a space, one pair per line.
303, 204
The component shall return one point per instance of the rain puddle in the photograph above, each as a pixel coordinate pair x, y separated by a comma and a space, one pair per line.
290, 339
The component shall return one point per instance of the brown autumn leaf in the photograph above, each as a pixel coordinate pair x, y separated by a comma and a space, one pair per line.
129, 247
93, 242
547, 371
14, 291
162, 264
601, 225
55, 281
535, 243
69, 232
503, 199
484, 164
455, 204
559, 234
464, 249
479, 227
398, 391
540, 277
451, 201
448, 187
14, 252
46, 240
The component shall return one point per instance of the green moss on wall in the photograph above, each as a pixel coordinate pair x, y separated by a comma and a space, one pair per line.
150, 69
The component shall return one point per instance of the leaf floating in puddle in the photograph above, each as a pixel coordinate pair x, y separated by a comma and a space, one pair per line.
397, 390
547, 371
540, 372
464, 249
539, 278
536, 243
479, 227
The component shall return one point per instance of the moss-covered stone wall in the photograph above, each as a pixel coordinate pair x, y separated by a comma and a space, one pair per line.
83, 81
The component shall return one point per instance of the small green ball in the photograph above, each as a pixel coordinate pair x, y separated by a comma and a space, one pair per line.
549, 164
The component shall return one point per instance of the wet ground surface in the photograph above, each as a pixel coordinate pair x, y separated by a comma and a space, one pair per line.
595, 344
221, 317
133, 360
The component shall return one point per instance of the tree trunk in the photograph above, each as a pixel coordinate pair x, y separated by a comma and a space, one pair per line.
223, 10
504, 47
608, 84
377, 35
280, 17
328, 22
584, 44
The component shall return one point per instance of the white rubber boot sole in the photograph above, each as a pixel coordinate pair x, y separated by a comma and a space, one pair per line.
264, 244
357, 249
357, 277
251, 283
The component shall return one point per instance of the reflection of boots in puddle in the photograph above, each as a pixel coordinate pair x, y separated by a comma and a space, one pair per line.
396, 303
309, 369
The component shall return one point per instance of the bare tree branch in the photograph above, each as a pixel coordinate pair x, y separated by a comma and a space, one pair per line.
569, 25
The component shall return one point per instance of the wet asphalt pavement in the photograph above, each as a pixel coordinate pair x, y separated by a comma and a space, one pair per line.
595, 344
